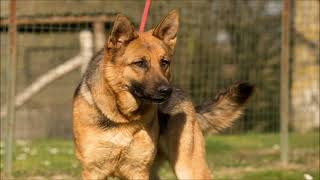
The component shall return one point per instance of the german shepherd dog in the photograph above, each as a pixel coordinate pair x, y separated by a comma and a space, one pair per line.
128, 118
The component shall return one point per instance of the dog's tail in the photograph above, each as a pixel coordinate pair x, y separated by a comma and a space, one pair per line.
227, 106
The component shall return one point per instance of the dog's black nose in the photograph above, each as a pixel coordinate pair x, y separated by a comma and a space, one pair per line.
165, 90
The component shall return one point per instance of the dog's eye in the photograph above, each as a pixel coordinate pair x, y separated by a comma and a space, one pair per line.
164, 63
141, 64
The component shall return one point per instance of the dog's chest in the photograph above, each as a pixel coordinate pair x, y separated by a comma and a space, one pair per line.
120, 148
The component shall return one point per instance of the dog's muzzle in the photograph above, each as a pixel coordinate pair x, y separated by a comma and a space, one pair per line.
162, 93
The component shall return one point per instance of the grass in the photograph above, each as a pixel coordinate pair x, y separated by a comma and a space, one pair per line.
256, 156
247, 157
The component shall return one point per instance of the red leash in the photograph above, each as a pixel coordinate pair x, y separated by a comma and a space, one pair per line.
144, 16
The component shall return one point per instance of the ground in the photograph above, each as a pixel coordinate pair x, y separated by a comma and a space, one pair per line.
249, 156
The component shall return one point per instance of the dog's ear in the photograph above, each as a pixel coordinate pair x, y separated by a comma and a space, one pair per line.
122, 32
168, 28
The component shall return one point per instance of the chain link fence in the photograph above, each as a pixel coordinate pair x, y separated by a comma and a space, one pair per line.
219, 43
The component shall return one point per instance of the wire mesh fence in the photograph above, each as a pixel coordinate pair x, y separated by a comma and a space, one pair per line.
219, 43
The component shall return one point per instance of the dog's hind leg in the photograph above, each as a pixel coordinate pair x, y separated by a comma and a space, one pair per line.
184, 144
186, 147
92, 174
182, 138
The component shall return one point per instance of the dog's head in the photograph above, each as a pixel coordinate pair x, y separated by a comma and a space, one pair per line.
139, 62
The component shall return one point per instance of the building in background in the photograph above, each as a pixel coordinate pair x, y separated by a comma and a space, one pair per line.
305, 97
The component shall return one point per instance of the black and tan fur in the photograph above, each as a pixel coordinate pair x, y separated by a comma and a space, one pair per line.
127, 118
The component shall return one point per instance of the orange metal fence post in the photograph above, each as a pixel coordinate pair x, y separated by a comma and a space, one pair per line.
11, 89
284, 94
